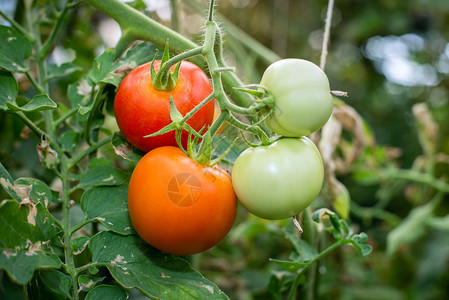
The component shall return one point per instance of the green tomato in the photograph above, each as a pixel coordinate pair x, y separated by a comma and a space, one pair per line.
280, 180
301, 92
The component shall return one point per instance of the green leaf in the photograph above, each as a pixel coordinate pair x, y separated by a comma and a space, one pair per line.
291, 266
109, 205
38, 103
125, 149
342, 199
69, 140
88, 282
57, 281
133, 263
102, 175
366, 177
304, 249
23, 246
14, 50
65, 69
79, 93
9, 89
140, 54
35, 189
359, 242
79, 244
8, 183
103, 65
412, 228
110, 292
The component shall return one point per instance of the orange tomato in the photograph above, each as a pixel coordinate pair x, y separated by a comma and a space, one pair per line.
178, 205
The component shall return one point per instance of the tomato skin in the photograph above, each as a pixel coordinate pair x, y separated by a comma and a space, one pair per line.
301, 91
280, 180
184, 228
140, 109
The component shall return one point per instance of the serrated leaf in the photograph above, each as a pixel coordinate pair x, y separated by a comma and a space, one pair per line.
133, 263
65, 69
103, 65
9, 89
110, 292
125, 149
14, 50
102, 175
291, 266
23, 246
35, 189
109, 205
57, 281
38, 103
88, 282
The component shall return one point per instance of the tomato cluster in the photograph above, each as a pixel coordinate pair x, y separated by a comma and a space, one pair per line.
280, 180
181, 206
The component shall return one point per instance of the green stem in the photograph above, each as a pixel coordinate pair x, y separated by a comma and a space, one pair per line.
69, 260
197, 108
39, 132
80, 225
140, 27
419, 177
34, 83
176, 59
49, 42
174, 15
326, 251
211, 10
222, 117
59, 121
77, 158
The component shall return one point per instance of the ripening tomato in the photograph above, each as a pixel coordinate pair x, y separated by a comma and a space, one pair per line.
178, 205
140, 109
280, 180
303, 102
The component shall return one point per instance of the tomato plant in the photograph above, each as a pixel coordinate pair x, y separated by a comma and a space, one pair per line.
141, 109
178, 205
303, 102
279, 180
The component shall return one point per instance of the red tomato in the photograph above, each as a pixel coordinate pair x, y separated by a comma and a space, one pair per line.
178, 205
141, 110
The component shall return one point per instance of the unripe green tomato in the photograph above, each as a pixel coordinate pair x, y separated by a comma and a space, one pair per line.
301, 92
280, 180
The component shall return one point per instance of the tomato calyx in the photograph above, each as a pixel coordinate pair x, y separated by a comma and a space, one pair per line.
178, 124
164, 79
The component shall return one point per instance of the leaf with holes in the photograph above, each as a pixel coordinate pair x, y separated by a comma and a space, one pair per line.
135, 264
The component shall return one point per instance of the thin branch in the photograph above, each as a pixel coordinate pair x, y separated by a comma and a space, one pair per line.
327, 29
